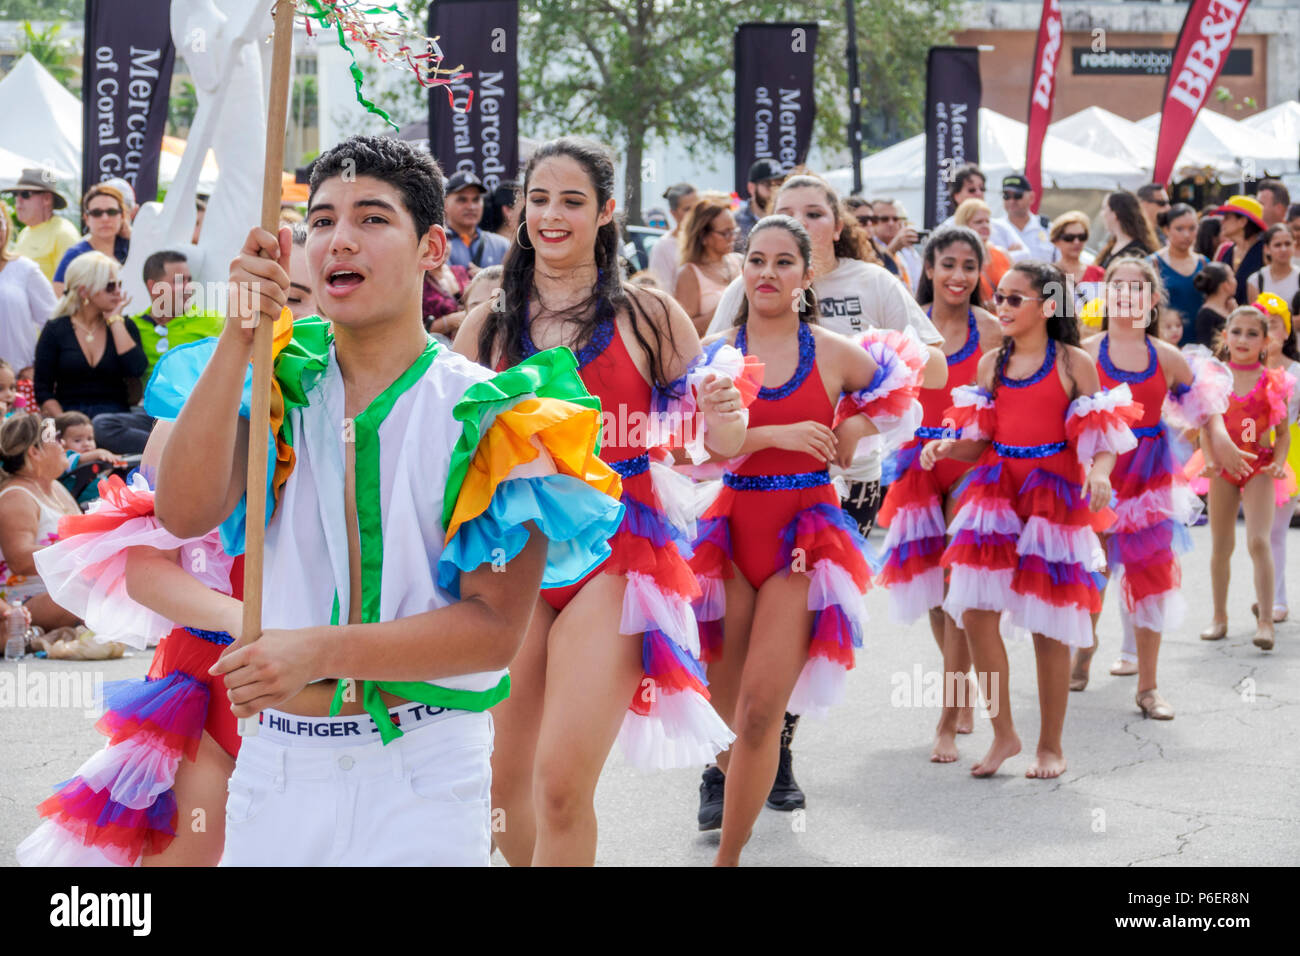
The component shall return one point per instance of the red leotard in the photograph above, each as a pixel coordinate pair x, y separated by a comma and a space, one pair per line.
935, 402
1258, 408
759, 516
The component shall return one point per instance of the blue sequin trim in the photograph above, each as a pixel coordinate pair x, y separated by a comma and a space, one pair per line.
600, 340
1178, 389
212, 637
1030, 451
1150, 431
972, 338
631, 466
927, 432
807, 354
1049, 360
1122, 375
802, 479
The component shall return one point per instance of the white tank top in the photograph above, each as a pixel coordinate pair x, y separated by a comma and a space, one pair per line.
21, 587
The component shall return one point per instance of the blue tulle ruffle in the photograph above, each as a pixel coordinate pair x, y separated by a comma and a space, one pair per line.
576, 519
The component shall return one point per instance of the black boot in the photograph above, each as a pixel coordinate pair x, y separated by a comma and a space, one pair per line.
785, 794
711, 797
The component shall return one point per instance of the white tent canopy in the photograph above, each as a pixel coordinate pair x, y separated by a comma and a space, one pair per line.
1282, 122
1112, 135
1002, 142
42, 123
1234, 143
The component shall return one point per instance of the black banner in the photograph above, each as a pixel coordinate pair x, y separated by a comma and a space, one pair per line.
1148, 61
952, 106
774, 95
127, 77
480, 133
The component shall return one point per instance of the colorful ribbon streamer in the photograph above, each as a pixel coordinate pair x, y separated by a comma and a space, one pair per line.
350, 20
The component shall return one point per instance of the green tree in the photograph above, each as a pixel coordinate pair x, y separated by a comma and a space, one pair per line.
42, 9
635, 71
181, 107
53, 52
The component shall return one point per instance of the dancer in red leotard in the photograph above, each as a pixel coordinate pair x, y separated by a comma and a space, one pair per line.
1022, 539
1154, 504
918, 506
615, 655
780, 562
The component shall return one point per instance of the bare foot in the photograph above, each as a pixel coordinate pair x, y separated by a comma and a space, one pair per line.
1047, 765
1081, 667
1264, 636
966, 714
945, 748
1002, 749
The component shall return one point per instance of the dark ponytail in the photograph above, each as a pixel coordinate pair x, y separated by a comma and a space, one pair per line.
503, 330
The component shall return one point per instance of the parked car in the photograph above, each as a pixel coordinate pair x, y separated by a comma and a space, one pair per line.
637, 241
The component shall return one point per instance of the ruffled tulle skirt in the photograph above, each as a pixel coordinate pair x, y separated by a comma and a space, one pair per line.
1154, 507
814, 537
120, 805
1026, 546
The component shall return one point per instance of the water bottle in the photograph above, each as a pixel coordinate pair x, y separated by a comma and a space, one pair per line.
15, 634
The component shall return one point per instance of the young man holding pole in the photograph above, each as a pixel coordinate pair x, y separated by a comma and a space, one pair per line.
420, 503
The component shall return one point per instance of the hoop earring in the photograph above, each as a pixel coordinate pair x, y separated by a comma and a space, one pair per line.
804, 304
519, 233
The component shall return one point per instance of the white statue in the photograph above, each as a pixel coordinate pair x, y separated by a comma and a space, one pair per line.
224, 51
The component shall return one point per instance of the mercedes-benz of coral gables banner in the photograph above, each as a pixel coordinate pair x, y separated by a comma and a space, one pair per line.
482, 139
127, 76
952, 108
774, 95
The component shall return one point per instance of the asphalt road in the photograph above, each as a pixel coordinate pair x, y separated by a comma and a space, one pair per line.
1217, 785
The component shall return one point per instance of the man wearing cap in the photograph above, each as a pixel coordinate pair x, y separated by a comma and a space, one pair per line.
1243, 222
663, 254
469, 245
1020, 227
46, 237
765, 178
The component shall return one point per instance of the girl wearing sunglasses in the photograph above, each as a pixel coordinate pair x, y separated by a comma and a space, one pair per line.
1045, 437
1153, 501
919, 501
86, 354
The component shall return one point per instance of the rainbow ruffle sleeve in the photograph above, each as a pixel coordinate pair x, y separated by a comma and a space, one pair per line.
528, 453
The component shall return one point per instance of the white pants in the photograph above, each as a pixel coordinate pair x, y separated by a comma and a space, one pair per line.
323, 791
1277, 541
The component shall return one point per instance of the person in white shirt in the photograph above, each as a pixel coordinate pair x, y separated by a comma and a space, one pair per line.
1022, 233
968, 183
26, 302
663, 254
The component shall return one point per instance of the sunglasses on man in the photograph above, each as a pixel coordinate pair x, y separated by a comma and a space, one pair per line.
1013, 194
29, 193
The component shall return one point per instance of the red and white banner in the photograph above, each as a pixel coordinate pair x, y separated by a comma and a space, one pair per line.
1203, 45
1047, 53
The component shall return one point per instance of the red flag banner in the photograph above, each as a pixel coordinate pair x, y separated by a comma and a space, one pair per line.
1047, 53
1203, 45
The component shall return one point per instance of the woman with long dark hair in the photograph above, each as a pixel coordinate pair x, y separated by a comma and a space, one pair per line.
782, 565
1130, 233
919, 503
618, 648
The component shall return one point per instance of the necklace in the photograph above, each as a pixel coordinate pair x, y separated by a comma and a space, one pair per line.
88, 333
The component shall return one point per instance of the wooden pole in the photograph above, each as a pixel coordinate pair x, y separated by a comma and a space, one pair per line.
260, 416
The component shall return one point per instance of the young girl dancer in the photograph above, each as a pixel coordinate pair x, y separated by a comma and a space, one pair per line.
1256, 421
1154, 503
1283, 354
918, 507
626, 632
787, 559
137, 802
1022, 539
